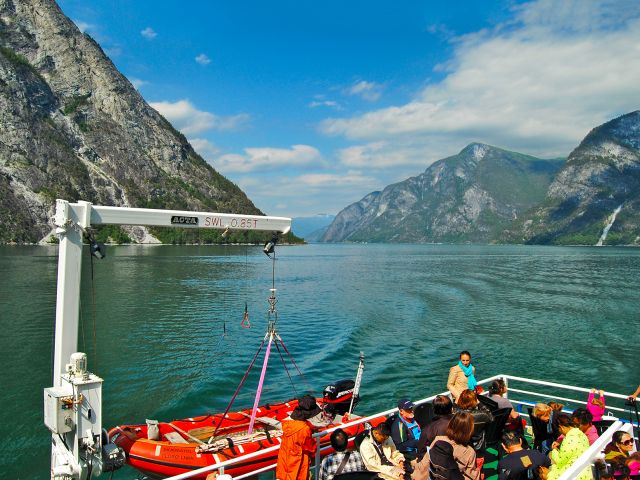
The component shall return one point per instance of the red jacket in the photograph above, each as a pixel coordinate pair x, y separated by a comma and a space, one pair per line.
296, 451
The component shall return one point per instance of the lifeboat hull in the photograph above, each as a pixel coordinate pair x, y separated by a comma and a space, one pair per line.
189, 444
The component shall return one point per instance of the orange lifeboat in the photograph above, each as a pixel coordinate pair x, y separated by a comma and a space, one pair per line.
192, 443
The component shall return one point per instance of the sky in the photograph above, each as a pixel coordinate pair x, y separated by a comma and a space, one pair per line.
309, 106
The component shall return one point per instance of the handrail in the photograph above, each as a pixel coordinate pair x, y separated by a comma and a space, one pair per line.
560, 385
580, 464
595, 450
527, 392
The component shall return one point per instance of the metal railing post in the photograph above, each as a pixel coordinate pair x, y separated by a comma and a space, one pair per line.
316, 467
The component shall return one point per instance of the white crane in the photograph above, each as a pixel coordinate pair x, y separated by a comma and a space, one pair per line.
73, 406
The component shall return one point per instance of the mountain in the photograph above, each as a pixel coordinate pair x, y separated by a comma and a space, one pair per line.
469, 197
600, 176
304, 226
316, 235
73, 127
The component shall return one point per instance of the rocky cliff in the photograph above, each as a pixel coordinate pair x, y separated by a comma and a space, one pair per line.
601, 177
469, 197
73, 127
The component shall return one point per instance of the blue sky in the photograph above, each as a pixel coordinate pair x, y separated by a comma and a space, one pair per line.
309, 106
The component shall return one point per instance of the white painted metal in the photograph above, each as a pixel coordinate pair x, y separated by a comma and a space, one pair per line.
67, 303
72, 220
162, 218
565, 399
595, 450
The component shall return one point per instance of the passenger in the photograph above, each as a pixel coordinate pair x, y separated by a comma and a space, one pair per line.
633, 462
379, 454
546, 414
298, 447
442, 408
438, 464
461, 376
468, 402
634, 395
341, 461
563, 455
518, 460
619, 448
583, 419
596, 406
459, 434
405, 431
497, 390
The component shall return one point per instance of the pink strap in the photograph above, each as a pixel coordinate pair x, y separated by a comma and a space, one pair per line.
259, 391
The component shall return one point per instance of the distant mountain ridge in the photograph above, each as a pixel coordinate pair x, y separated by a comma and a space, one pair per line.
601, 175
469, 197
73, 127
303, 226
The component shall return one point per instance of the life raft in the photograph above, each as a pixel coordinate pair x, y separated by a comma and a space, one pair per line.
192, 443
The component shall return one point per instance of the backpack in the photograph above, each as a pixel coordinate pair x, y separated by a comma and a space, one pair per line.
443, 465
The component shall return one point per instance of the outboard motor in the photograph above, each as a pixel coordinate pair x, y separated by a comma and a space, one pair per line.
337, 397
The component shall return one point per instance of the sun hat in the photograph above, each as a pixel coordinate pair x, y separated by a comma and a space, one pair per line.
307, 408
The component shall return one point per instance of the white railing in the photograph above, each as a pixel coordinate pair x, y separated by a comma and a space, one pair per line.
594, 452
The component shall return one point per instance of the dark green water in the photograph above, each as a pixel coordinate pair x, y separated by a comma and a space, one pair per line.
568, 315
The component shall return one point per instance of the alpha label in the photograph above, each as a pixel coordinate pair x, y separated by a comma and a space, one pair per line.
180, 220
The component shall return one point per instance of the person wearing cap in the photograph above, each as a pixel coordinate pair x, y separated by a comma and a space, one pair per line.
297, 447
405, 431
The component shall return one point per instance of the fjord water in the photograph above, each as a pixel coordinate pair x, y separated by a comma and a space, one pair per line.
153, 318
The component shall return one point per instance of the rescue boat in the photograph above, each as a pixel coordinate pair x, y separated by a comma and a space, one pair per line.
184, 445
163, 449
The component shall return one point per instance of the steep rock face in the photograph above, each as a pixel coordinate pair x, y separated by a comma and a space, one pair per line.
600, 175
75, 128
471, 196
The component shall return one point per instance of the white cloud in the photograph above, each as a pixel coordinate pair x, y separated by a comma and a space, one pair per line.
137, 82
325, 103
307, 194
189, 120
268, 158
204, 147
84, 26
202, 59
537, 84
148, 33
113, 51
334, 180
381, 155
369, 91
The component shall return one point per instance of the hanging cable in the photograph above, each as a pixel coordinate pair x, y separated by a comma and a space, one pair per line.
245, 323
233, 398
224, 334
286, 369
295, 365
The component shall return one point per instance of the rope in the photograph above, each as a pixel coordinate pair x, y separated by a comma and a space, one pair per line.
293, 361
294, 364
246, 374
286, 369
260, 383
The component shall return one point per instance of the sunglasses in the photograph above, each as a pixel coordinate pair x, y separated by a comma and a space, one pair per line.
627, 442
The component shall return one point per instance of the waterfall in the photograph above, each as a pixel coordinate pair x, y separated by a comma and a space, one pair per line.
612, 219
